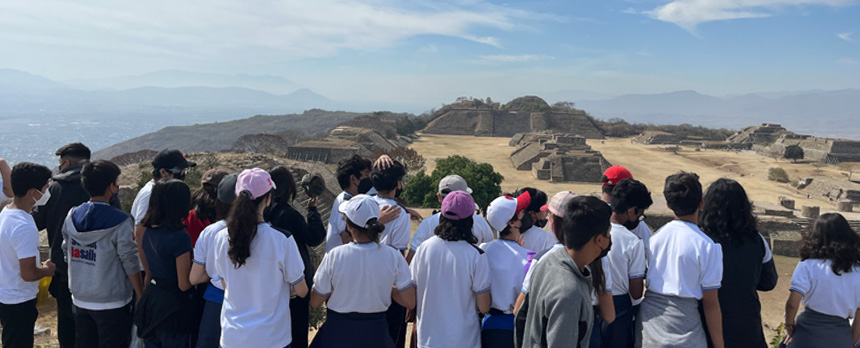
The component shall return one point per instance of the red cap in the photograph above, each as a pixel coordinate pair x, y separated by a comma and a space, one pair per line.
523, 201
615, 174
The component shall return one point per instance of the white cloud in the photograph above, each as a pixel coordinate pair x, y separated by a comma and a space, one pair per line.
508, 59
689, 13
630, 10
846, 36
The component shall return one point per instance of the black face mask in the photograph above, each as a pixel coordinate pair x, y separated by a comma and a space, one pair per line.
179, 176
605, 252
541, 223
365, 185
397, 193
526, 222
631, 225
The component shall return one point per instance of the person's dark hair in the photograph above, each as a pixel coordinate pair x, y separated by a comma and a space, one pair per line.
349, 167
156, 174
584, 218
598, 277
628, 194
285, 183
606, 188
538, 198
683, 193
455, 230
372, 232
221, 210
386, 179
557, 227
168, 205
727, 216
26, 176
242, 226
507, 230
74, 153
831, 238
98, 175
203, 204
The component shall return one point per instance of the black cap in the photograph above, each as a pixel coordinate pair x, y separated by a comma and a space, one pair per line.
227, 189
169, 158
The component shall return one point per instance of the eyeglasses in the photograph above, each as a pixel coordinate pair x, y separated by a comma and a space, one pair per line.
176, 171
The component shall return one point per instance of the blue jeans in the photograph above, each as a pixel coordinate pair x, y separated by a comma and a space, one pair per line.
209, 335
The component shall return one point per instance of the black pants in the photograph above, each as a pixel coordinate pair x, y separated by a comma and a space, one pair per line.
18, 322
209, 334
619, 334
105, 328
396, 317
299, 316
59, 288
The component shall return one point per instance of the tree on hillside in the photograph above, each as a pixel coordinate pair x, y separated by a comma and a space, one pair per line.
777, 174
848, 167
413, 161
484, 181
563, 106
793, 152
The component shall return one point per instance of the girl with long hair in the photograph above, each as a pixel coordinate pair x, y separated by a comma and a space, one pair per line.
258, 266
359, 280
827, 282
748, 264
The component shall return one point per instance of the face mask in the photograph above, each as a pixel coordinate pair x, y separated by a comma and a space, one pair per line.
44, 200
541, 223
179, 176
526, 222
631, 225
365, 185
605, 252
397, 193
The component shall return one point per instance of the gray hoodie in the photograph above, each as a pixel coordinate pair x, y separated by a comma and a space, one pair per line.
99, 247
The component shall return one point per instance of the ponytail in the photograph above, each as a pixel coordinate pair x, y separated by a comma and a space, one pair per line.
372, 231
598, 277
242, 227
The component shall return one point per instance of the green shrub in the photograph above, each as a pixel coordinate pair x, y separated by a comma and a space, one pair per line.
484, 181
777, 174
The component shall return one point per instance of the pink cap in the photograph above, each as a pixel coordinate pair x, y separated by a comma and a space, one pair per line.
458, 205
559, 201
256, 181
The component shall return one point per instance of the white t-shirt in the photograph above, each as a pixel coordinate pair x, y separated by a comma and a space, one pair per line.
19, 239
204, 251
643, 231
448, 276
684, 261
626, 259
480, 229
607, 276
336, 224
141, 202
507, 261
256, 305
398, 231
825, 292
359, 277
538, 239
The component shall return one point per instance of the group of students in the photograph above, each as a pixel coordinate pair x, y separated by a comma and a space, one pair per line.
229, 264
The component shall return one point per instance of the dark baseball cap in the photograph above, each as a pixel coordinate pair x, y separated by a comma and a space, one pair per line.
227, 189
169, 158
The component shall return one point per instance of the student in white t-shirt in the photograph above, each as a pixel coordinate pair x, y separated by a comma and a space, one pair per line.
686, 267
5, 181
480, 229
258, 265
508, 260
452, 279
357, 281
612, 177
19, 255
827, 282
535, 219
627, 263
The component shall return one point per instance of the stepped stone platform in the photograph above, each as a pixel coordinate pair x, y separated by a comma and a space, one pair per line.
558, 157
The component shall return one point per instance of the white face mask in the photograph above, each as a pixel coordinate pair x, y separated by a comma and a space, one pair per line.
44, 200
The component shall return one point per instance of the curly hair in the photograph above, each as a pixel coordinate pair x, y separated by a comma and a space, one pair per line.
727, 216
831, 238
456, 230
683, 193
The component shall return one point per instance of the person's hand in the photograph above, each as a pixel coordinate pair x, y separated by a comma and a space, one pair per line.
383, 162
410, 315
389, 213
789, 331
520, 240
50, 267
414, 215
313, 202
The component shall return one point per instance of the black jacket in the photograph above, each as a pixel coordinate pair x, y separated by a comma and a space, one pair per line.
66, 193
308, 233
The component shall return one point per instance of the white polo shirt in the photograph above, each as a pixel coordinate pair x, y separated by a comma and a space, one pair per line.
256, 305
141, 202
480, 229
626, 259
538, 239
684, 261
607, 276
359, 277
204, 251
825, 292
643, 231
336, 224
448, 276
507, 260
397, 231
19, 239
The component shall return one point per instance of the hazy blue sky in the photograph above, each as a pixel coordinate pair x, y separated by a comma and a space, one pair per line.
435, 50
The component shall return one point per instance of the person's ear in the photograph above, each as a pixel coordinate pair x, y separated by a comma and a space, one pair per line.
164, 173
439, 197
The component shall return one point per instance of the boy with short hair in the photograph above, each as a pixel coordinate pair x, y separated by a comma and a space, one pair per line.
535, 219
686, 267
104, 267
557, 308
353, 176
19, 255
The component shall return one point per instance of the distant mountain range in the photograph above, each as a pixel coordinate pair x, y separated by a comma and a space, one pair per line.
180, 78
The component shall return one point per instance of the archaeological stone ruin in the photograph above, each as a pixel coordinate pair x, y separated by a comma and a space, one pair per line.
557, 157
343, 142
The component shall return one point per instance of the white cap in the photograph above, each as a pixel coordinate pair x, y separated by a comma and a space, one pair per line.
500, 211
453, 183
360, 209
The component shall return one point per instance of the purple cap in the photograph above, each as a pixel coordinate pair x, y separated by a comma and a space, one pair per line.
458, 205
256, 181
